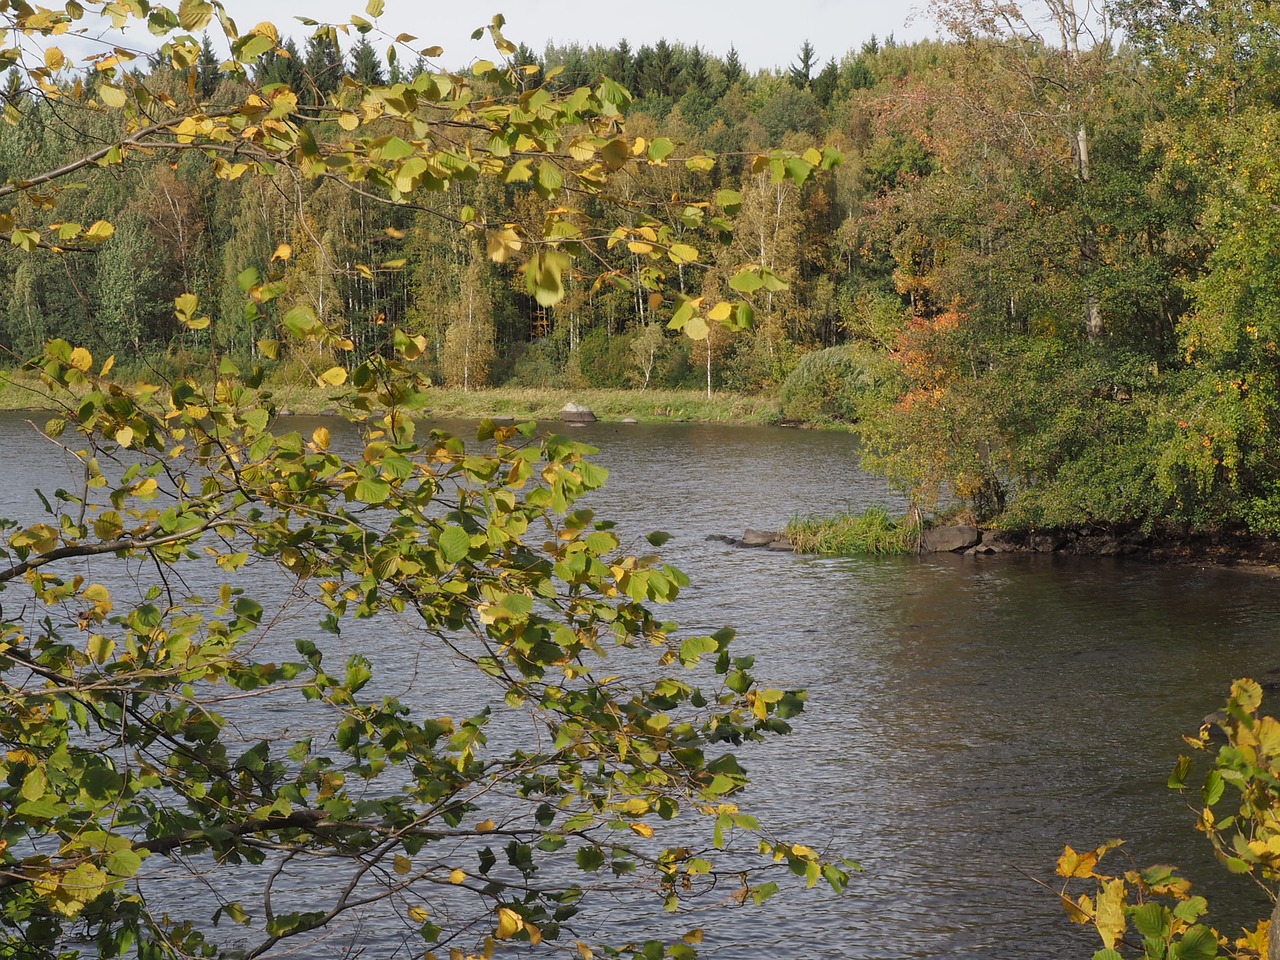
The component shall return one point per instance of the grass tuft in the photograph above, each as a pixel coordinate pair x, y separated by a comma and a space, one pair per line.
873, 531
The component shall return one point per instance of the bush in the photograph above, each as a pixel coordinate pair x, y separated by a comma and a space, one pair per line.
605, 360
835, 385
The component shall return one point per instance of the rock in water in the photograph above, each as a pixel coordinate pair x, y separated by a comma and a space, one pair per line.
948, 539
577, 413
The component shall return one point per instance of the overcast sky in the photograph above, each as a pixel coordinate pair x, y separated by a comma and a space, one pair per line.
766, 34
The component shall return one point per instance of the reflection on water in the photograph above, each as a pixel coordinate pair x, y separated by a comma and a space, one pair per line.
967, 716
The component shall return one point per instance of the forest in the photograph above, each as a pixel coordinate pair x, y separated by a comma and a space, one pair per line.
1041, 281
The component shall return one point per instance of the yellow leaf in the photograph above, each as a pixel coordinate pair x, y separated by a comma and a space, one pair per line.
320, 437
643, 829
124, 436
185, 304
720, 312
693, 937
333, 377
283, 252
348, 121
457, 876
145, 488
484, 826
82, 359
418, 914
1111, 920
108, 364
683, 253
509, 923
54, 58
112, 96
267, 29
401, 864
100, 230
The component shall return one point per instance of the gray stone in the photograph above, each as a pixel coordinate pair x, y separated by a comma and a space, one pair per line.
577, 413
1045, 543
996, 542
949, 539
781, 545
759, 538
628, 420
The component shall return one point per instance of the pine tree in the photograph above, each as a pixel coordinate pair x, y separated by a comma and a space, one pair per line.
732, 67
366, 65
801, 73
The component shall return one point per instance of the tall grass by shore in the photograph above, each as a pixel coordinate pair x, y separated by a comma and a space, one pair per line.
873, 531
22, 390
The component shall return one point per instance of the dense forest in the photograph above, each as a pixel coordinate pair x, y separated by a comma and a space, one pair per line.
1043, 280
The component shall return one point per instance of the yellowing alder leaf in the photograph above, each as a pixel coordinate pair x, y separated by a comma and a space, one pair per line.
112, 96
333, 377
509, 923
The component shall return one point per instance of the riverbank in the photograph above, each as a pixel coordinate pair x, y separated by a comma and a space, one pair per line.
22, 390
875, 532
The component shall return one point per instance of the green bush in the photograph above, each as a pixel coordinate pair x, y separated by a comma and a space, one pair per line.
836, 385
604, 360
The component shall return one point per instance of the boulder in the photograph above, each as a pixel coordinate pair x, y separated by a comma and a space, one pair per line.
949, 539
1045, 542
781, 545
993, 541
577, 413
759, 538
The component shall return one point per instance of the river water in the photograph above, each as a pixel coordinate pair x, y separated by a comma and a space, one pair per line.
966, 718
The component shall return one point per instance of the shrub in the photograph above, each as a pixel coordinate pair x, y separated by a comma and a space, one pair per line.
836, 385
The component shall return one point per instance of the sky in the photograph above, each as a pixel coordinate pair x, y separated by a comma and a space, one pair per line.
766, 34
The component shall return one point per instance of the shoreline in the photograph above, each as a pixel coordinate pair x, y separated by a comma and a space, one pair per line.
20, 391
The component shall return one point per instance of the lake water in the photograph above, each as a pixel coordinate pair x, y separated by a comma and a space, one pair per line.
967, 716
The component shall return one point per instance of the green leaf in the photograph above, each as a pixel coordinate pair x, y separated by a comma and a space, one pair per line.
454, 543
660, 148
1198, 943
252, 47
374, 8
301, 321
1213, 787
372, 490
730, 201
1152, 920
123, 863
746, 281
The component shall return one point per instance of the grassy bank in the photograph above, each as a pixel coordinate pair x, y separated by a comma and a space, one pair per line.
874, 531
20, 390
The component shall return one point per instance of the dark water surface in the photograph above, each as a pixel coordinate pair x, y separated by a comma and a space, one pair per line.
967, 716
